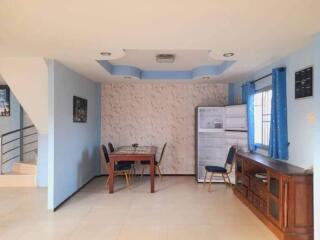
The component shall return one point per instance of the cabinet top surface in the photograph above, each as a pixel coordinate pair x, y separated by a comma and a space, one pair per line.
276, 165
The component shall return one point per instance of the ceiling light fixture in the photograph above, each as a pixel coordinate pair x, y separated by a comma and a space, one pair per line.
165, 58
228, 54
106, 54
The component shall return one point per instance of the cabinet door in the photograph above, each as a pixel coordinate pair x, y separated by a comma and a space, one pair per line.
298, 204
274, 186
275, 198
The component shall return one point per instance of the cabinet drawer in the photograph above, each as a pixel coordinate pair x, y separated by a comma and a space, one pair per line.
250, 196
245, 180
262, 194
263, 207
243, 190
259, 204
258, 188
255, 201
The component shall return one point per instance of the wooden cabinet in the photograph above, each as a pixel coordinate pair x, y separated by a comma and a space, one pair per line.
283, 201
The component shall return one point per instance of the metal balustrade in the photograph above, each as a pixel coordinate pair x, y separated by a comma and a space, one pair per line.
12, 145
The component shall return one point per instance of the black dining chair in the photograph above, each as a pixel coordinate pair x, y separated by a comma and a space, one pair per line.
156, 163
111, 148
119, 169
225, 171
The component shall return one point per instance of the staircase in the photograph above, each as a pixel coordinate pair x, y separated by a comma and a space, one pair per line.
23, 174
14, 147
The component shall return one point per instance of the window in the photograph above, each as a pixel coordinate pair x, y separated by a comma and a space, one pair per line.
262, 118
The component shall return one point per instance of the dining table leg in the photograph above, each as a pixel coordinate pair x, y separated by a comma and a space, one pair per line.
111, 177
152, 174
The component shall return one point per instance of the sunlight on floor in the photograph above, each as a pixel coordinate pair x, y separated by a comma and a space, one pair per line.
180, 209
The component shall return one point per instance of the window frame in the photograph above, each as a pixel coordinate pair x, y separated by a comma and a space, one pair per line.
259, 145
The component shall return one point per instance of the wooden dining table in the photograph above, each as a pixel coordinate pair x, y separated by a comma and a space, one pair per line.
129, 153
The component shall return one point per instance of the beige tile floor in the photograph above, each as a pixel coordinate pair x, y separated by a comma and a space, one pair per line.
180, 209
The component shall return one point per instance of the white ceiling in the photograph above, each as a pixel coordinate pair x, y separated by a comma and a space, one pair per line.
184, 59
75, 32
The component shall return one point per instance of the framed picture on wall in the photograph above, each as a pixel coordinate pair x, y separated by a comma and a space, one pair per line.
80, 106
4, 101
304, 83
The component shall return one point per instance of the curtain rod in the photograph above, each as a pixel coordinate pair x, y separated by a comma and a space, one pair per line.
263, 77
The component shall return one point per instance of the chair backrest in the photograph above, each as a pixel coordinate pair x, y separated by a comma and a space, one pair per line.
105, 152
111, 148
230, 157
162, 152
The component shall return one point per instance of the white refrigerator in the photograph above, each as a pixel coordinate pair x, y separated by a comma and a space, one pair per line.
218, 128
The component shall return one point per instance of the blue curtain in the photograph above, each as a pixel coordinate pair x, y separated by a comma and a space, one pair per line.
244, 95
278, 144
248, 90
231, 95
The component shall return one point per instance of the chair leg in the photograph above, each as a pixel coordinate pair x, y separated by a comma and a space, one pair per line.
209, 189
205, 178
132, 172
159, 171
142, 172
129, 175
224, 179
127, 178
228, 178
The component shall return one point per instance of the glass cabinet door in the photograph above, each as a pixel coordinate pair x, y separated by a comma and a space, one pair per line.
274, 186
274, 209
274, 198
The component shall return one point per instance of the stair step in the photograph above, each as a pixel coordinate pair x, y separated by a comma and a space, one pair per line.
27, 167
17, 179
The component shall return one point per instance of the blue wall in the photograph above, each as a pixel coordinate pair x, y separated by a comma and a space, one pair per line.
300, 127
303, 116
316, 175
42, 163
73, 147
234, 95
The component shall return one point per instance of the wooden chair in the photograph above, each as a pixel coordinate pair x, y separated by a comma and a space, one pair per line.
225, 171
122, 169
156, 163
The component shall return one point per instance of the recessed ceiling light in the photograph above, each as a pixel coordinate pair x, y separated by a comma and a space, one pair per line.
106, 54
228, 54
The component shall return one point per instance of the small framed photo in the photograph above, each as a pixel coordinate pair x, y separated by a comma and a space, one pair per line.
4, 101
80, 106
